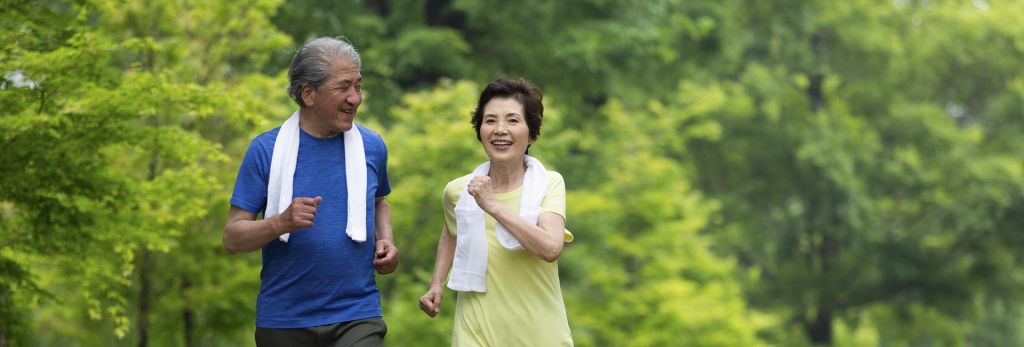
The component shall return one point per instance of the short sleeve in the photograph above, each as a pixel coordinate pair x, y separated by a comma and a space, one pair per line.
554, 200
380, 149
450, 197
250, 191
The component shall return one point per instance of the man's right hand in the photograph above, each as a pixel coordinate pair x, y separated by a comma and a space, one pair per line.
299, 215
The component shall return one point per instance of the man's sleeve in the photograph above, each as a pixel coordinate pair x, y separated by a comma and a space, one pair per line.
250, 192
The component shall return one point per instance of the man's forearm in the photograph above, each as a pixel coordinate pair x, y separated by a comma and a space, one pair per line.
382, 221
242, 234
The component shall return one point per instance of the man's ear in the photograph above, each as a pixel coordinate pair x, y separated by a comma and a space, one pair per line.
308, 93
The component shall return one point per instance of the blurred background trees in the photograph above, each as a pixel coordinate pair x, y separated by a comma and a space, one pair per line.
739, 172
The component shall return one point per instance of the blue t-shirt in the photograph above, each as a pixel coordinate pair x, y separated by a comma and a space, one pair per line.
320, 276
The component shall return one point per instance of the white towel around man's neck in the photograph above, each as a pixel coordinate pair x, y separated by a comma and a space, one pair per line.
469, 270
282, 172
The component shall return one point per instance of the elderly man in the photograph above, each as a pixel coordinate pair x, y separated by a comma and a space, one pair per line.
321, 181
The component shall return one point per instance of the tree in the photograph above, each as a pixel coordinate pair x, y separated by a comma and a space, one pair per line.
853, 173
656, 281
403, 47
119, 153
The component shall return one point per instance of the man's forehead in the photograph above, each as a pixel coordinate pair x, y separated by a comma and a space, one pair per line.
347, 75
344, 65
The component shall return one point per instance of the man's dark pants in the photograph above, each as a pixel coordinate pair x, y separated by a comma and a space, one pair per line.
360, 333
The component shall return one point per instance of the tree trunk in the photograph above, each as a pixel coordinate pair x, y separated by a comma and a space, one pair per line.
820, 330
816, 79
144, 257
3, 306
382, 7
188, 316
439, 13
143, 322
814, 91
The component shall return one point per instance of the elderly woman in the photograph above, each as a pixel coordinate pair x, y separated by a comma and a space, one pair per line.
504, 230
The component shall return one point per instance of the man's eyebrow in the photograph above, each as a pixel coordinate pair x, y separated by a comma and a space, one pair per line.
348, 81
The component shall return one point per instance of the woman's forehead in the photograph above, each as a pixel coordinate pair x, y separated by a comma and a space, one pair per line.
503, 105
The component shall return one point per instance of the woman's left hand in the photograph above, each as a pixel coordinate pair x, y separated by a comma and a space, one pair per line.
480, 189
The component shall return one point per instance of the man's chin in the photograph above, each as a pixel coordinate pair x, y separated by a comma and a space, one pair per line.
345, 122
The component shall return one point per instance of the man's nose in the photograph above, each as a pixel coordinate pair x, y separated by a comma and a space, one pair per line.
354, 97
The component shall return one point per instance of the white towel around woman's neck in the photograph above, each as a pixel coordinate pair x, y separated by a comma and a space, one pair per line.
282, 172
469, 270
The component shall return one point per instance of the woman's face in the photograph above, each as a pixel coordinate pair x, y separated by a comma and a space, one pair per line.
503, 130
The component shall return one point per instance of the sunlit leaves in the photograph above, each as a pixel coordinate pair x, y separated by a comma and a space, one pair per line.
119, 145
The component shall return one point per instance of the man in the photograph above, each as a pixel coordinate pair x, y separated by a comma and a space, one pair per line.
317, 284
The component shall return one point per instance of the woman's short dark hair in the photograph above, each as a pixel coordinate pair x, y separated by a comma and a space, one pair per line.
519, 90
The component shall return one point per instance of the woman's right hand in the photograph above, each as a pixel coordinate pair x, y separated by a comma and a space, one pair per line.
430, 302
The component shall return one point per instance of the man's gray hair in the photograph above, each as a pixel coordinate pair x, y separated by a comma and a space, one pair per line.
313, 62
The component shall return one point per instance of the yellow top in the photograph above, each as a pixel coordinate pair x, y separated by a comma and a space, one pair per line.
523, 304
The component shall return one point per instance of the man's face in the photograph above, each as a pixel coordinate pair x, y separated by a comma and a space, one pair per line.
335, 103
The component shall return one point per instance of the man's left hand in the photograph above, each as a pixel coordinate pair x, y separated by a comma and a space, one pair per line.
386, 257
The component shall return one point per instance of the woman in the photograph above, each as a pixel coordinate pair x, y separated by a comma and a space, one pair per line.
504, 230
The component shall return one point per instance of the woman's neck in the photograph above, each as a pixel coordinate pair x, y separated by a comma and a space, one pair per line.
507, 176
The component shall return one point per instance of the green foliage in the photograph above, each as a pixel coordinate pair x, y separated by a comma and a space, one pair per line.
875, 180
116, 156
738, 172
656, 281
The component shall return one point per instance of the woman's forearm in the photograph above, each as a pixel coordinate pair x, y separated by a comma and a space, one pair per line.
544, 239
443, 259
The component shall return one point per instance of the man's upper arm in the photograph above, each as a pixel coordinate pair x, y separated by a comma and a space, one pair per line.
238, 213
250, 190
